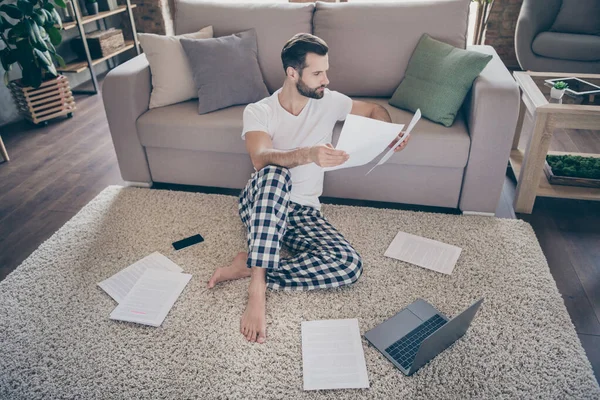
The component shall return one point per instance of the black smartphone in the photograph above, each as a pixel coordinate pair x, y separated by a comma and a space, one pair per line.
180, 244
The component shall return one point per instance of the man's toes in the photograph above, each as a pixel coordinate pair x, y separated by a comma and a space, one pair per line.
212, 281
262, 337
253, 337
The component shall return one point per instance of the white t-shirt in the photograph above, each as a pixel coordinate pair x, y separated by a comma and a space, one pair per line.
314, 125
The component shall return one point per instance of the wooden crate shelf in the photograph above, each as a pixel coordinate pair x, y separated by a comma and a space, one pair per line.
52, 99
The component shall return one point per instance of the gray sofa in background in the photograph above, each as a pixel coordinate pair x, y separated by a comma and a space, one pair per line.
540, 49
462, 166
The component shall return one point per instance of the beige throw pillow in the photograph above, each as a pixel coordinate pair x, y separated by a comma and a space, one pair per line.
172, 78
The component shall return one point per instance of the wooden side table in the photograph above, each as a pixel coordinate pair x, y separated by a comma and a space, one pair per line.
528, 164
3, 151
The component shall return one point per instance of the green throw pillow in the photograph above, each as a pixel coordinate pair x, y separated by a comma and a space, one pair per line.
438, 78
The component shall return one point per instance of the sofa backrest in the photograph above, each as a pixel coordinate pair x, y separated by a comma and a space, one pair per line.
370, 44
275, 23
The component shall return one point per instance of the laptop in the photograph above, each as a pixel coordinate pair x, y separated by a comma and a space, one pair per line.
418, 333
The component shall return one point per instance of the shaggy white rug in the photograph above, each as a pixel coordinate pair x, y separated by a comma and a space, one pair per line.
56, 340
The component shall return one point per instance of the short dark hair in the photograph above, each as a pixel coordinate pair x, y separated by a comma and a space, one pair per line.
295, 50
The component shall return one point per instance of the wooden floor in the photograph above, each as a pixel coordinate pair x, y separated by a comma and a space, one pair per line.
54, 171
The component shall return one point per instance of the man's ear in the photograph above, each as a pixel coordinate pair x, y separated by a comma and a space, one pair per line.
292, 73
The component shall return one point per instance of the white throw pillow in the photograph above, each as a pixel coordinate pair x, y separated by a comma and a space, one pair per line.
172, 78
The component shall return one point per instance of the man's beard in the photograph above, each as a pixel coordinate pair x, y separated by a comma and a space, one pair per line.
307, 91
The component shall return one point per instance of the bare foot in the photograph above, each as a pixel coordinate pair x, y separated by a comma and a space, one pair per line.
236, 270
253, 323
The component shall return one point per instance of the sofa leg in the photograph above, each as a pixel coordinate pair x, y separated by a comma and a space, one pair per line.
479, 213
139, 184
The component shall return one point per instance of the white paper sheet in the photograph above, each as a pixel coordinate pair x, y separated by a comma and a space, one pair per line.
151, 298
390, 153
424, 252
118, 285
364, 139
332, 355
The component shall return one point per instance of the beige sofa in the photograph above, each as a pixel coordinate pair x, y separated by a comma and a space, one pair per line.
462, 166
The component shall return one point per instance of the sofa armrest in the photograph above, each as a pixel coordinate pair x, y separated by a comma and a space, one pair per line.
491, 110
535, 16
126, 95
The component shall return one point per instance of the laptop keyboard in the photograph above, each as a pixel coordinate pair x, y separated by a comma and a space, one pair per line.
405, 350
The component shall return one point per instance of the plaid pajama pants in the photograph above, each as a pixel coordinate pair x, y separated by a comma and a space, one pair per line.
323, 258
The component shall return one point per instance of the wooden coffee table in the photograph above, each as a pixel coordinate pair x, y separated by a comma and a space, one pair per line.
547, 114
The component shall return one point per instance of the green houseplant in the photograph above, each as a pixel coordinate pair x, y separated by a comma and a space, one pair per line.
30, 41
30, 31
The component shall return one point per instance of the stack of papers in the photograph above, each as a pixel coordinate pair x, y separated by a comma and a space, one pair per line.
146, 290
332, 355
426, 253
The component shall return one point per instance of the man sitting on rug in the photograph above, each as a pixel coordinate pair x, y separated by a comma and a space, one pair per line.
288, 138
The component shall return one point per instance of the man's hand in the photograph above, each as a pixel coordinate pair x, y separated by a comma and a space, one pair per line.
402, 145
324, 155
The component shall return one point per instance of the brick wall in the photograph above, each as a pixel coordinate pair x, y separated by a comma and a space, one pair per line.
500, 32
152, 16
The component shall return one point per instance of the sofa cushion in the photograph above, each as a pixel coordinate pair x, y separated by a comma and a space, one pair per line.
225, 71
578, 16
368, 56
567, 46
437, 79
172, 80
179, 126
274, 24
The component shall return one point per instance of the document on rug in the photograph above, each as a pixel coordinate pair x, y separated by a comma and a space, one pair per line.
424, 252
151, 298
390, 152
332, 355
364, 139
118, 285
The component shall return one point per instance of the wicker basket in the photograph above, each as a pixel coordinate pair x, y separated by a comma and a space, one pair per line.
100, 43
52, 99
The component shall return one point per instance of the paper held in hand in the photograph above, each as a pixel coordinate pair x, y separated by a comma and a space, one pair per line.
426, 253
365, 138
390, 152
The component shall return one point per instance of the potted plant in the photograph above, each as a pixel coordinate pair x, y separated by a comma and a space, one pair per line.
91, 6
30, 30
558, 90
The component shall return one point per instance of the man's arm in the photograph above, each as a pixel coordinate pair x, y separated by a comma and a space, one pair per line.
262, 153
370, 110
